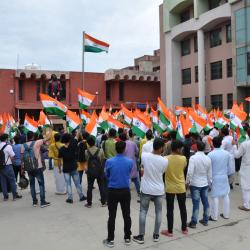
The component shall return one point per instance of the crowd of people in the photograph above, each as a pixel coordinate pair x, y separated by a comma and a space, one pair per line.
158, 167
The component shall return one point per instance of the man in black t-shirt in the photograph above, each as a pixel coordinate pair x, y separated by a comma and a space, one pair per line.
68, 154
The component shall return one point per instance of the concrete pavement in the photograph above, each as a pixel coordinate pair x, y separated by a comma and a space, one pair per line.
64, 226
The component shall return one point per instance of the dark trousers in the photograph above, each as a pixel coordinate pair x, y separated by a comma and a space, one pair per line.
91, 181
7, 175
17, 170
37, 174
170, 210
123, 197
80, 175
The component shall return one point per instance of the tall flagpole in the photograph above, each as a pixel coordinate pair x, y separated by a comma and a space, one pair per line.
83, 50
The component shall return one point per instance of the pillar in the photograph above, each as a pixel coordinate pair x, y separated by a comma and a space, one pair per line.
201, 68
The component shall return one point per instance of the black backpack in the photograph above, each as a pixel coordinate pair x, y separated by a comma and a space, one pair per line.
94, 164
29, 159
2, 157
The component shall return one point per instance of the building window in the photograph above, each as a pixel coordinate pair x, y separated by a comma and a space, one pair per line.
195, 44
215, 38
187, 102
186, 76
216, 70
216, 101
229, 33
20, 89
121, 91
156, 69
185, 16
196, 100
196, 73
229, 101
63, 89
214, 4
185, 47
38, 91
108, 91
248, 63
229, 67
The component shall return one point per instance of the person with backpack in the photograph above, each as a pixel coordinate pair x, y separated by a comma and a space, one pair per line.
32, 163
6, 169
17, 158
94, 157
67, 155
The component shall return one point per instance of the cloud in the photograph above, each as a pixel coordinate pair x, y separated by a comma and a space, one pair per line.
49, 32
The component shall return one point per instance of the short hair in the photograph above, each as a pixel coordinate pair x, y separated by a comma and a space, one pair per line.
4, 137
200, 145
66, 138
175, 145
120, 131
91, 141
158, 143
30, 136
149, 134
57, 137
112, 133
131, 133
123, 137
85, 135
225, 131
17, 139
120, 147
217, 141
173, 134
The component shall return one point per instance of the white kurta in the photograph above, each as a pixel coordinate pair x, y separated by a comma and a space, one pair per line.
244, 152
228, 146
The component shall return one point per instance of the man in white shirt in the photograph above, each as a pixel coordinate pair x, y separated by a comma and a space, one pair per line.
148, 146
199, 178
244, 152
152, 188
6, 170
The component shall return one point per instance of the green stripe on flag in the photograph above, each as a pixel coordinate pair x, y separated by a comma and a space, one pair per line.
92, 49
54, 111
138, 132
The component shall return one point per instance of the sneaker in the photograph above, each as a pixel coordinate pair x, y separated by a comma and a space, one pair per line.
203, 223
5, 198
69, 201
83, 198
35, 203
88, 205
104, 205
16, 197
127, 242
166, 233
108, 243
139, 239
191, 225
211, 219
185, 231
244, 208
45, 204
156, 237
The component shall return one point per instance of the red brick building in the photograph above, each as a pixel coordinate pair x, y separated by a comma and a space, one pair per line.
19, 89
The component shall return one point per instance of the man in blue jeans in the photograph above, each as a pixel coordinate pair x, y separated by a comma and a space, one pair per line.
152, 188
68, 154
118, 170
199, 178
7, 172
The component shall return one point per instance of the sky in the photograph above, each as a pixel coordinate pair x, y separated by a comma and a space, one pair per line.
49, 32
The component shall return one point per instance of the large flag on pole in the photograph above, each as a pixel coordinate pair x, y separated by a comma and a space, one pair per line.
52, 106
94, 45
84, 99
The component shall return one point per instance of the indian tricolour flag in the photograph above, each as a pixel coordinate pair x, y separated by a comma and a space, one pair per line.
43, 120
52, 106
140, 126
237, 116
91, 127
94, 45
73, 120
85, 116
84, 99
128, 115
1, 121
30, 124
103, 119
115, 124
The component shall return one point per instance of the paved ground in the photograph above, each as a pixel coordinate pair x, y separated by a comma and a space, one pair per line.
63, 226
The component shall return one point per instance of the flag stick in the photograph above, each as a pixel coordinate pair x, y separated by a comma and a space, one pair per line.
83, 50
